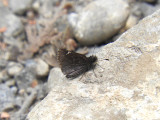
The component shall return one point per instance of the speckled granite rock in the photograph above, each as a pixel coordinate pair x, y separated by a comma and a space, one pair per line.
128, 86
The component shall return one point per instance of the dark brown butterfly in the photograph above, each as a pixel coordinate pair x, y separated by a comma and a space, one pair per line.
74, 64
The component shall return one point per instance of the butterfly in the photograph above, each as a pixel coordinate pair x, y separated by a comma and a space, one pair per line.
74, 64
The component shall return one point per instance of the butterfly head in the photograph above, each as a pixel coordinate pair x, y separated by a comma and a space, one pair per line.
93, 59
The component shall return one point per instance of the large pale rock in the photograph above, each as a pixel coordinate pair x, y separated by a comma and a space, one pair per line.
128, 86
99, 21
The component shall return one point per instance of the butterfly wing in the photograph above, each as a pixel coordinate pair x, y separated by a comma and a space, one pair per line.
61, 56
73, 73
72, 64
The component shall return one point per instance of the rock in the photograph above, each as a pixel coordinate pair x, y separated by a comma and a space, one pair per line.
19, 100
30, 65
5, 115
36, 5
13, 53
3, 76
56, 72
136, 10
22, 92
10, 54
127, 87
14, 90
132, 20
147, 9
20, 6
3, 73
13, 26
151, 1
1, 4
98, 21
27, 75
7, 98
10, 82
46, 8
42, 68
42, 91
3, 64
14, 68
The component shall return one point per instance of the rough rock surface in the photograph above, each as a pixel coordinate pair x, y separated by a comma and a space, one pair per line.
99, 21
128, 86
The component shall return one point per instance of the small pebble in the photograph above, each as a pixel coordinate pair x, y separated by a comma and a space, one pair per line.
34, 83
22, 92
4, 115
14, 69
7, 98
29, 90
3, 63
36, 5
42, 68
19, 100
3, 76
132, 20
14, 89
10, 83
20, 6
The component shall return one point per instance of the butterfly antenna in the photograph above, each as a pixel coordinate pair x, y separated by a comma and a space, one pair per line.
81, 76
100, 66
103, 59
94, 73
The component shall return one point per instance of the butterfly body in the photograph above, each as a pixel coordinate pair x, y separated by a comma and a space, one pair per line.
74, 64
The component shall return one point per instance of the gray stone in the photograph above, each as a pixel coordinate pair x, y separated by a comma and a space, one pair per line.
42, 91
3, 64
132, 20
13, 26
27, 75
14, 69
126, 88
147, 9
151, 1
46, 8
99, 21
3, 76
20, 6
13, 53
14, 90
19, 100
7, 98
1, 4
10, 82
30, 65
24, 79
